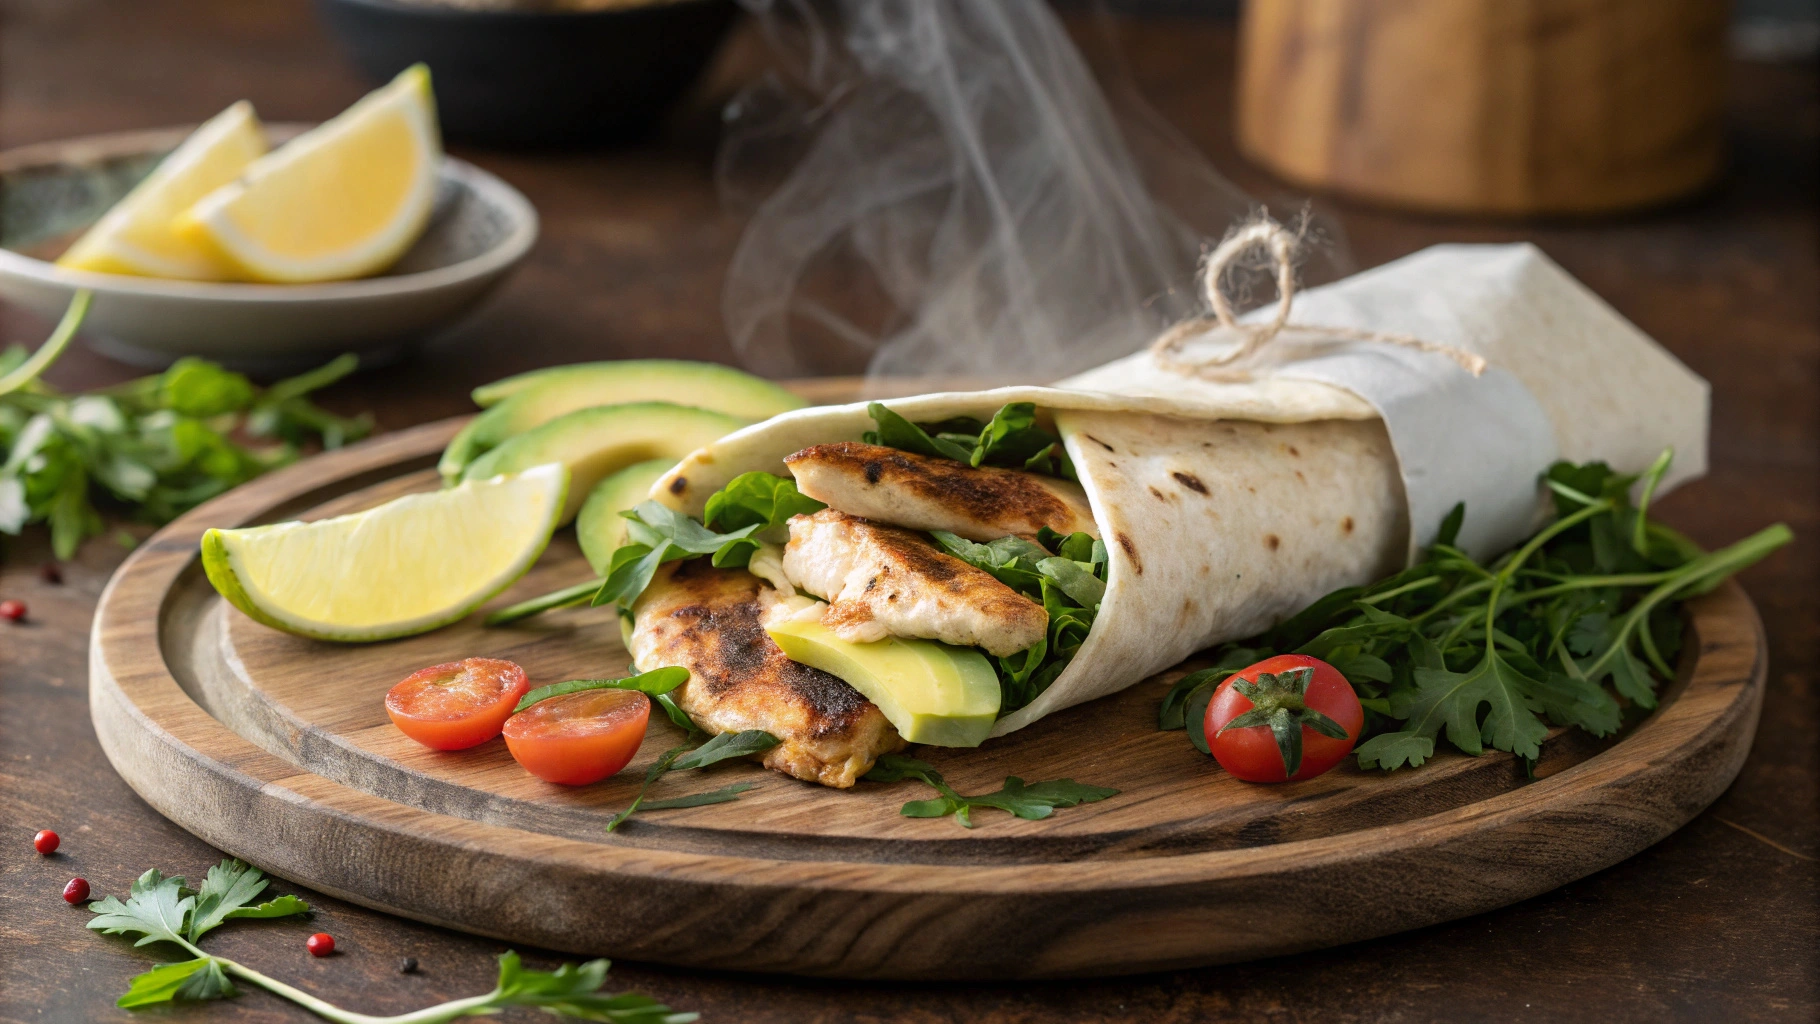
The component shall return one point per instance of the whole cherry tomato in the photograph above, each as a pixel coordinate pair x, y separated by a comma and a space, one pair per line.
579, 738
1285, 718
458, 705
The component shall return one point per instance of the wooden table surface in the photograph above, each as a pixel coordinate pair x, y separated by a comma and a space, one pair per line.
1719, 922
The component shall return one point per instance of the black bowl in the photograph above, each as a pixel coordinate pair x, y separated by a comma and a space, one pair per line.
538, 78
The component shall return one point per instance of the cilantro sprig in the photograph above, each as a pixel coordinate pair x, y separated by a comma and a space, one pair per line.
1011, 439
1030, 801
1577, 626
153, 447
162, 909
1067, 574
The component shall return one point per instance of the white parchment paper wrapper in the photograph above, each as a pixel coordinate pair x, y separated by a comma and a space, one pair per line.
1568, 378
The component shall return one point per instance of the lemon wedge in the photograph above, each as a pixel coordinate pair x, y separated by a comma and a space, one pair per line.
405, 567
137, 236
343, 200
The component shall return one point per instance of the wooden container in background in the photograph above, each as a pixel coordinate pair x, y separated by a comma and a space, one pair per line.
1505, 107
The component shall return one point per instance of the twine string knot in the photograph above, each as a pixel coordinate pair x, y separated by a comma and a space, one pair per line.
1279, 243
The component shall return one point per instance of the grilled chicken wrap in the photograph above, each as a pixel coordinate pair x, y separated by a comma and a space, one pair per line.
1214, 508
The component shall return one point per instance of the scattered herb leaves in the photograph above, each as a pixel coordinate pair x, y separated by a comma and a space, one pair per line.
1485, 652
723, 747
1030, 801
654, 683
153, 447
161, 909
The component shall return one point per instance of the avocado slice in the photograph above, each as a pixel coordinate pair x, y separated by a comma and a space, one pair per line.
936, 694
595, 443
517, 404
599, 526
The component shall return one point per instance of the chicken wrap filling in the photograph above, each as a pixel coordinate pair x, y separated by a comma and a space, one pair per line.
914, 585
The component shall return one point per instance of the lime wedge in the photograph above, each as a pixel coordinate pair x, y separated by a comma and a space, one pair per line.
408, 566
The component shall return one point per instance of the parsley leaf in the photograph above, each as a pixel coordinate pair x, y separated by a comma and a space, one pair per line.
572, 990
226, 894
1031, 802
201, 978
160, 909
156, 909
154, 447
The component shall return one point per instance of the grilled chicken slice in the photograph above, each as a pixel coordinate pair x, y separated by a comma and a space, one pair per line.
707, 621
885, 581
923, 493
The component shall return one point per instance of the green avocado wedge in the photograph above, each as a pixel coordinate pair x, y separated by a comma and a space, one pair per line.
529, 400
598, 442
599, 527
933, 693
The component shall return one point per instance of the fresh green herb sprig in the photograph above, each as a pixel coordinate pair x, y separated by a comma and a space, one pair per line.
752, 507
1011, 439
1032, 802
155, 447
1579, 618
1067, 574
726, 746
759, 502
163, 909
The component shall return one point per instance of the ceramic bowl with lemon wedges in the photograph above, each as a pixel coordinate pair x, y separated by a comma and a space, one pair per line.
264, 247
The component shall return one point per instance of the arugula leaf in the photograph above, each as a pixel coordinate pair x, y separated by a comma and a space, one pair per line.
654, 683
723, 747
1483, 652
726, 746
1075, 580
567, 597
896, 432
757, 499
656, 534
726, 794
1031, 802
1011, 439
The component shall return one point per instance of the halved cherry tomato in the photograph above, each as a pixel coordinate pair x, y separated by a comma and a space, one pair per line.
1284, 688
458, 705
579, 738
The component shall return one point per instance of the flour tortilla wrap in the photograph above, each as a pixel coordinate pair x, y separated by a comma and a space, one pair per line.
1226, 506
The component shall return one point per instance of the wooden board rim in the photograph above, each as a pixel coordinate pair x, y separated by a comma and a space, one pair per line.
143, 717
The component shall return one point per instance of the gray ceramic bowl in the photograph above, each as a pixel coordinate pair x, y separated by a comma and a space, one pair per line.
49, 193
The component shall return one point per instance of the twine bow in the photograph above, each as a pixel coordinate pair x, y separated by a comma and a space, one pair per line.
1267, 234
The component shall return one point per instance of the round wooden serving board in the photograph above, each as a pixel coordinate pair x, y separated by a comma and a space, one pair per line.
278, 750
